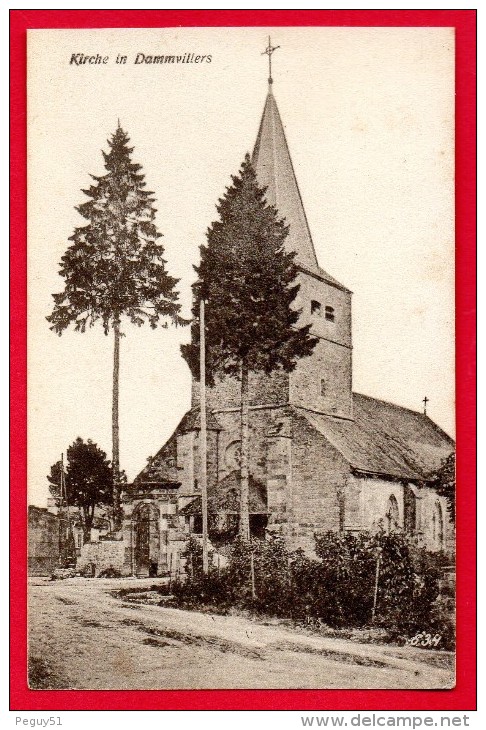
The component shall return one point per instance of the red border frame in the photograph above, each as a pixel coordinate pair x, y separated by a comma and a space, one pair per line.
463, 697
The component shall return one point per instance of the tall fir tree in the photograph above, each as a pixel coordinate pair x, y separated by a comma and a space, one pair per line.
115, 267
249, 283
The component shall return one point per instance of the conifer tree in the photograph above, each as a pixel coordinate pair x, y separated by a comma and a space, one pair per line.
115, 268
249, 283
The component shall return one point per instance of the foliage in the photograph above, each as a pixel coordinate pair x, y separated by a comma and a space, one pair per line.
248, 281
445, 483
408, 581
88, 481
115, 266
199, 589
336, 588
110, 572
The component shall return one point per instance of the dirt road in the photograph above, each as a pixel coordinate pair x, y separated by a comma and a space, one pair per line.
82, 637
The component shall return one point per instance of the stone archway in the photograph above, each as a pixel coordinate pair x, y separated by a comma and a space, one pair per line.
146, 539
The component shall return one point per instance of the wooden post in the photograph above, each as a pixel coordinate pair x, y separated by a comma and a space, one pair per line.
252, 572
377, 578
203, 439
244, 462
68, 538
170, 570
132, 545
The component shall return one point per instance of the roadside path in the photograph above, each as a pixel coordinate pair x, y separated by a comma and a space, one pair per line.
82, 637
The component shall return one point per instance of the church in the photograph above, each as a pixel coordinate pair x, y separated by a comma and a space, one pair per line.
321, 456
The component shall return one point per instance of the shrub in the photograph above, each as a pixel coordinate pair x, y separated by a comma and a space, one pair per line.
345, 578
110, 572
338, 587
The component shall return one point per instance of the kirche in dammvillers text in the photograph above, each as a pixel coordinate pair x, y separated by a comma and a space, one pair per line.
83, 59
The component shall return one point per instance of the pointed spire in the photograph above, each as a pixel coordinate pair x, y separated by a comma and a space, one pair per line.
274, 169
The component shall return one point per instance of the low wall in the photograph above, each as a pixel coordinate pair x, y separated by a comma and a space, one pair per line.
103, 555
42, 566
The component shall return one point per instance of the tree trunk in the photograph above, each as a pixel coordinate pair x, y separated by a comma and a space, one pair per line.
87, 524
115, 427
244, 467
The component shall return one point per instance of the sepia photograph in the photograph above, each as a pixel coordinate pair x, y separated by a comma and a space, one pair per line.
241, 358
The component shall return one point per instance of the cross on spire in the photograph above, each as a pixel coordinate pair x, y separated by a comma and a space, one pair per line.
268, 52
425, 401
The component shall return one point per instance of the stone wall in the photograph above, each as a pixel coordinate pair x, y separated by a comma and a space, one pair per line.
315, 289
43, 545
367, 501
263, 390
420, 510
322, 382
262, 424
279, 482
330, 361
319, 475
103, 555
434, 537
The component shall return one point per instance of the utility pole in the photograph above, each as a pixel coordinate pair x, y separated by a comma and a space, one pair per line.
377, 580
203, 438
67, 532
64, 490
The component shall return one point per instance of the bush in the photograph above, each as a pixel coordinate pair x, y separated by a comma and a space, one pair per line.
408, 581
196, 588
110, 572
338, 587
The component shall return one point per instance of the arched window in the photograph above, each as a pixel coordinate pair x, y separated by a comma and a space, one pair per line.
315, 307
392, 514
232, 456
438, 527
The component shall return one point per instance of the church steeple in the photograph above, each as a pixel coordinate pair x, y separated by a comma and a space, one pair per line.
274, 169
321, 382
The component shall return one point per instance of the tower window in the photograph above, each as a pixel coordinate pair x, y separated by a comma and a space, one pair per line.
315, 307
330, 313
323, 386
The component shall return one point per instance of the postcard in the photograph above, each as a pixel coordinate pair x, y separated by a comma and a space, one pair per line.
241, 358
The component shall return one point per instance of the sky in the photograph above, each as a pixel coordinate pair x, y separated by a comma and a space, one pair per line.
369, 119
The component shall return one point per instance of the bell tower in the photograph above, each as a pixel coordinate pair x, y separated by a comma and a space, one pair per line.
321, 382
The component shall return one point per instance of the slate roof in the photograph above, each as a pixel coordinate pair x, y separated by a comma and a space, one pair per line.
385, 439
225, 497
162, 468
191, 421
